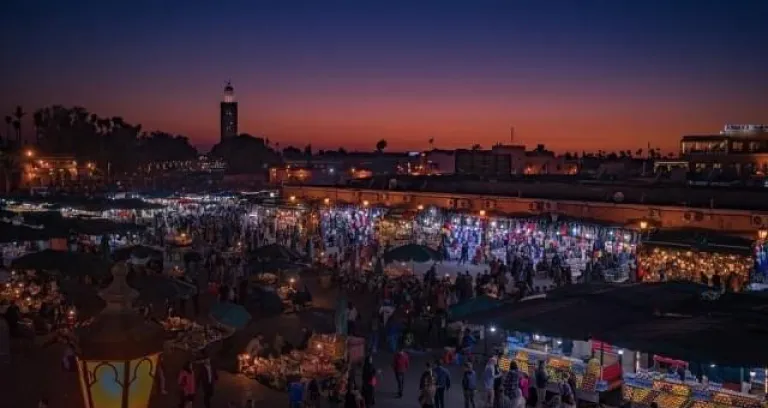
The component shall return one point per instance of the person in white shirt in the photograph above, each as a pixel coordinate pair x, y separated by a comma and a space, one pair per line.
254, 346
386, 311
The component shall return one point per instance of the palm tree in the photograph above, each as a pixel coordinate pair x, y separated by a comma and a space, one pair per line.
17, 129
8, 122
8, 164
381, 145
431, 143
18, 113
476, 147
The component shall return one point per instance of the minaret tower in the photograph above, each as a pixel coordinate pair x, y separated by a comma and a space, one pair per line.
228, 113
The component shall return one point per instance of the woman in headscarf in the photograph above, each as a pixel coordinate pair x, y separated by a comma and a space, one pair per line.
369, 382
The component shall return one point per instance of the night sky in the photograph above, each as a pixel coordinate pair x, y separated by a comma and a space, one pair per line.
572, 74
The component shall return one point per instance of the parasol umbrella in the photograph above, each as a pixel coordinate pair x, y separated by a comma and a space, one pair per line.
412, 253
68, 263
160, 287
192, 256
230, 314
137, 253
275, 252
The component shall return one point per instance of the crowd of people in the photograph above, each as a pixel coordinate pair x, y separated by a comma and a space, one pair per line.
412, 311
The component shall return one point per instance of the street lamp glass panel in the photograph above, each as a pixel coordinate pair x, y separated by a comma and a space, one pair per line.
102, 383
123, 384
142, 374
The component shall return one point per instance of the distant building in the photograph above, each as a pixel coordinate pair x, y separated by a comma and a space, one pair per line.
437, 161
228, 113
58, 172
482, 163
738, 149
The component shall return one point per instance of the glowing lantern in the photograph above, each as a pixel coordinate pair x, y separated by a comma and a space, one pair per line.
119, 351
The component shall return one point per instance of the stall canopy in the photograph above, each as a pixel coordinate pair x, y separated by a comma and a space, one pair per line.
68, 263
680, 320
699, 240
412, 253
22, 233
136, 252
89, 203
230, 314
275, 252
160, 287
471, 306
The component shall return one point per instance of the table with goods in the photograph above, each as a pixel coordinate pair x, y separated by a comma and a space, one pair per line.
667, 391
187, 335
588, 382
324, 357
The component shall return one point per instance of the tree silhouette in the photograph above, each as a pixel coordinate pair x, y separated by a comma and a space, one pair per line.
18, 114
431, 143
246, 154
9, 164
8, 122
292, 152
381, 145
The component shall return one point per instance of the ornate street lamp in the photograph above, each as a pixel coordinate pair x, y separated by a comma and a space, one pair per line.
119, 351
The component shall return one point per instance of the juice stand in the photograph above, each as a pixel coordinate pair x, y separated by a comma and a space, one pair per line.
592, 378
670, 384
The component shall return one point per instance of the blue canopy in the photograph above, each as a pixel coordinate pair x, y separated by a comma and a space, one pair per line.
230, 314
471, 306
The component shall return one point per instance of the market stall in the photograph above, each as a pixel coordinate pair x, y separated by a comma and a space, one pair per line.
186, 335
668, 391
325, 357
592, 377
39, 300
722, 268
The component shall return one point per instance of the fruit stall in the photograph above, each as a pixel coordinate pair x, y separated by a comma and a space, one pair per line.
646, 387
588, 381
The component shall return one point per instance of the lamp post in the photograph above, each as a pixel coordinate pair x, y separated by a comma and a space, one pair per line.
119, 351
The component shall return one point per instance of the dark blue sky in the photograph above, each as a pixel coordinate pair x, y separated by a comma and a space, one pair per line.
579, 74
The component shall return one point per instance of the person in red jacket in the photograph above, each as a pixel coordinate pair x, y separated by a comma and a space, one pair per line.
400, 364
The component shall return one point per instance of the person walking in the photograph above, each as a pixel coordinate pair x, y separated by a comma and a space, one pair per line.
443, 383
511, 387
400, 364
490, 374
369, 382
352, 316
469, 385
187, 384
427, 388
541, 377
207, 380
